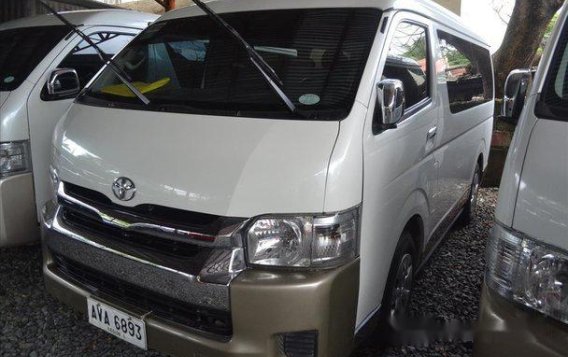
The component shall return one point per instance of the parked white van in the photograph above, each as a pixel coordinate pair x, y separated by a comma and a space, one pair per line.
43, 66
273, 183
524, 305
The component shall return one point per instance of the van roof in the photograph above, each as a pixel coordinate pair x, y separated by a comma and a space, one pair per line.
109, 17
426, 8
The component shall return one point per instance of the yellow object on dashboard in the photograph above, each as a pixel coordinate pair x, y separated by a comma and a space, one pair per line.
122, 90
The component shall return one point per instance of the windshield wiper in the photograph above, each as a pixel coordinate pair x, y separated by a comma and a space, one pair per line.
264, 68
123, 76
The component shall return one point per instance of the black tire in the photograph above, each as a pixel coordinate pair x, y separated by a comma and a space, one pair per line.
468, 214
405, 249
379, 331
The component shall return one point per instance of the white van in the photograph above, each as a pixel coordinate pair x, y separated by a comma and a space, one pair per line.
43, 66
272, 184
524, 304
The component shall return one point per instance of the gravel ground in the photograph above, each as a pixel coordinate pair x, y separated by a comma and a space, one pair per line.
33, 324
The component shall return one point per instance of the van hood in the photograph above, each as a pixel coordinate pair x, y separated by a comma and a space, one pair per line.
228, 166
3, 97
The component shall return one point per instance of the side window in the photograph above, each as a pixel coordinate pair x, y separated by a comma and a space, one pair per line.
407, 60
468, 72
84, 58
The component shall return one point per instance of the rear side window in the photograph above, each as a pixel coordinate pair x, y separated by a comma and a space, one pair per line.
22, 49
84, 58
407, 61
468, 72
554, 98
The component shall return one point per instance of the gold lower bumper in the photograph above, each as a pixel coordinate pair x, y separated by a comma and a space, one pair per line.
508, 329
18, 217
263, 306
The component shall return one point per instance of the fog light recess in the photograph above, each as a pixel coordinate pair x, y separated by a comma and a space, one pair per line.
299, 344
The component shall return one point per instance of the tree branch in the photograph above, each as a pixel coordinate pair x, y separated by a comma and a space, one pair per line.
498, 7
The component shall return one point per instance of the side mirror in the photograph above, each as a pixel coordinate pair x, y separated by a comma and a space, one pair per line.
515, 93
63, 83
391, 101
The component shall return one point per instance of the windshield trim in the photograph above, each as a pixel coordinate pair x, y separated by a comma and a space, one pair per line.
93, 101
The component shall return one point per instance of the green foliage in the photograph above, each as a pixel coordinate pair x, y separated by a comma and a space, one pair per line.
547, 33
456, 58
417, 50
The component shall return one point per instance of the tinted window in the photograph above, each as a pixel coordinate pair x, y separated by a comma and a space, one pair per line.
468, 72
22, 49
191, 65
554, 99
84, 58
407, 61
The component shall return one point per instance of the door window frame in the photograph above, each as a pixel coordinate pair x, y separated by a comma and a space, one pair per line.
410, 112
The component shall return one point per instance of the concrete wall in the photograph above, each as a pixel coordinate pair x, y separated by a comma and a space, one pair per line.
452, 5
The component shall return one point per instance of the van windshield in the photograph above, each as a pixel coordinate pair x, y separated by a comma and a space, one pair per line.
191, 65
22, 49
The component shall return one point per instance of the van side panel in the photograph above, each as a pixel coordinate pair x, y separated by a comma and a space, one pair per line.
465, 136
14, 116
399, 179
542, 201
458, 157
511, 178
344, 185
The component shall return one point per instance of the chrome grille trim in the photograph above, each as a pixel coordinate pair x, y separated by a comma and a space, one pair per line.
226, 238
158, 278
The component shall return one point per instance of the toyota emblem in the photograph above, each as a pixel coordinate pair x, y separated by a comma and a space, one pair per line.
123, 189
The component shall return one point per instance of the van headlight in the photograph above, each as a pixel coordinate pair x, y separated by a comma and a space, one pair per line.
14, 158
528, 272
304, 241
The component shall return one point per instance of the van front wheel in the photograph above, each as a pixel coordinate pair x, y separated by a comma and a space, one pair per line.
401, 278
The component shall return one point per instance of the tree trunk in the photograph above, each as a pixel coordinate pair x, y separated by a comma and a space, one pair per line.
522, 38
167, 4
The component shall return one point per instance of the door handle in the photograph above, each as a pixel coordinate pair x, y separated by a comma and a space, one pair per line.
432, 133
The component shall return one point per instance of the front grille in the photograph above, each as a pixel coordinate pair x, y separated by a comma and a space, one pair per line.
213, 323
84, 221
171, 217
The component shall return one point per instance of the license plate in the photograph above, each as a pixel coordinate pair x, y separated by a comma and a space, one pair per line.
120, 324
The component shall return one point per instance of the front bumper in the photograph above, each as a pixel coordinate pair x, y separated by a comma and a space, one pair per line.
18, 217
263, 305
505, 328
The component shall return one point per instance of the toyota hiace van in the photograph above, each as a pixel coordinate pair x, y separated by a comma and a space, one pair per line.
43, 66
273, 176
524, 304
